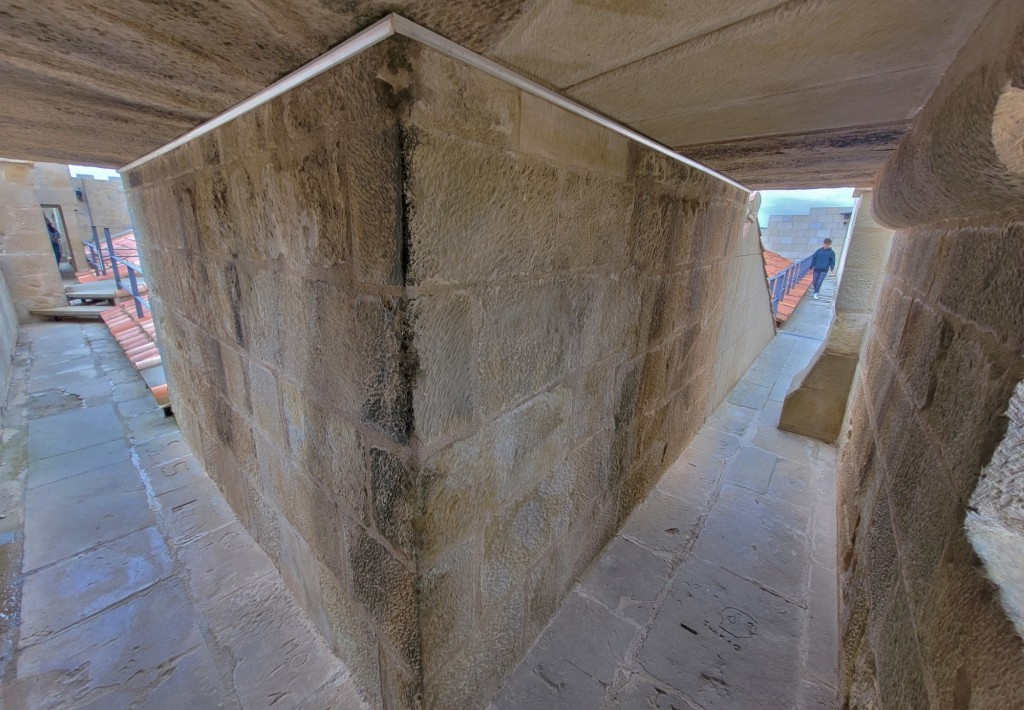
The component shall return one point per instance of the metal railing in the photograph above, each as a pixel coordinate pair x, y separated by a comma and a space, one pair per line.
134, 272
786, 280
99, 261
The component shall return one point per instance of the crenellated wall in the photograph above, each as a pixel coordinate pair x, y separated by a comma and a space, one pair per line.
435, 338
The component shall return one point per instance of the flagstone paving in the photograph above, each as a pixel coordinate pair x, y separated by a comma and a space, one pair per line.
138, 587
720, 590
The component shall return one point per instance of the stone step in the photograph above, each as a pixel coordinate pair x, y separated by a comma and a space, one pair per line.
58, 312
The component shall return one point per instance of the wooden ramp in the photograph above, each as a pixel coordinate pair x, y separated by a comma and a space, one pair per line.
58, 312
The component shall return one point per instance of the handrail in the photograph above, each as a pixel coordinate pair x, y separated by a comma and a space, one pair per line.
133, 272
780, 284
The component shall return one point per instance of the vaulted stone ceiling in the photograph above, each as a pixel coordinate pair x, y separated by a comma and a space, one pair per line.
774, 92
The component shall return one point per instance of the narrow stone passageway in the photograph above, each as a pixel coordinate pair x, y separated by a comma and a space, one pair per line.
720, 590
140, 588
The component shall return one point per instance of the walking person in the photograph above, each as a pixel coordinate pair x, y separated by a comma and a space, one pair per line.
823, 260
54, 238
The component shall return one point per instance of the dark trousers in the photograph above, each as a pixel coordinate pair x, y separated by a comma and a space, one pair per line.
56, 250
819, 279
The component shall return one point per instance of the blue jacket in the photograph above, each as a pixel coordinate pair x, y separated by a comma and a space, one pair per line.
824, 259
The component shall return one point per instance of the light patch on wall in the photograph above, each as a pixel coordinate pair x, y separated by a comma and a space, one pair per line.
97, 173
801, 201
1008, 129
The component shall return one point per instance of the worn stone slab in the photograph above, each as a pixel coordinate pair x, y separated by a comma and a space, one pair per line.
759, 538
822, 662
55, 468
90, 378
194, 510
191, 681
222, 562
715, 442
751, 468
150, 425
82, 511
693, 476
587, 635
171, 475
69, 431
794, 483
749, 394
732, 418
664, 522
74, 589
549, 684
627, 579
280, 673
161, 449
132, 642
724, 642
140, 405
79, 359
645, 692
790, 446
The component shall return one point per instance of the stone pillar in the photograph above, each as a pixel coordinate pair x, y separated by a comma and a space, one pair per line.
26, 257
435, 338
816, 405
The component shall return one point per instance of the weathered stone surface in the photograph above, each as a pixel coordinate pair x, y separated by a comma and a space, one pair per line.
704, 643
613, 580
116, 505
76, 588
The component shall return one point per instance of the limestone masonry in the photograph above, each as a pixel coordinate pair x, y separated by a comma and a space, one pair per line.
435, 339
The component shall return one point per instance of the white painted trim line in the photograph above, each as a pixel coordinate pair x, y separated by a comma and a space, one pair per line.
375, 33
396, 24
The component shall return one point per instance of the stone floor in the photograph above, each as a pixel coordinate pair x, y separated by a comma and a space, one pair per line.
720, 591
139, 588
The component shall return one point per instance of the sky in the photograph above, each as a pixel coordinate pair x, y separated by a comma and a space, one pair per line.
801, 201
98, 173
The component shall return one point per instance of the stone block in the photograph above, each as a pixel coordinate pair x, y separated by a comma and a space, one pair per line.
554, 134
455, 98
477, 671
901, 677
266, 402
925, 511
393, 496
453, 238
519, 534
503, 462
445, 342
449, 594
387, 588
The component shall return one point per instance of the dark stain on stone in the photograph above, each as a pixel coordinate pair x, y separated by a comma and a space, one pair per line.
235, 299
392, 492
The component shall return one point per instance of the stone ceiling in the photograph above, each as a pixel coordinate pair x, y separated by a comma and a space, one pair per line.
773, 92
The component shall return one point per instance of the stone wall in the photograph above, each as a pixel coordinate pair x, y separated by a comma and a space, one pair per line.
570, 293
104, 204
272, 248
435, 338
26, 257
796, 236
921, 623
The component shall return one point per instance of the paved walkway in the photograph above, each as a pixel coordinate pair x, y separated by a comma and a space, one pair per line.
140, 588
720, 591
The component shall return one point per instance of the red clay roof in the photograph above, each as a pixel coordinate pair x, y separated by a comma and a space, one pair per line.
773, 264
